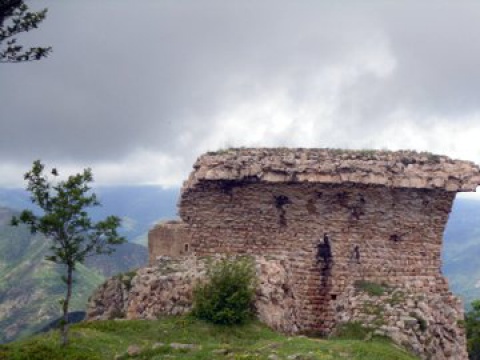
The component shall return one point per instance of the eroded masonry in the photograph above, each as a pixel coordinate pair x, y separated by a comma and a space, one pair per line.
323, 222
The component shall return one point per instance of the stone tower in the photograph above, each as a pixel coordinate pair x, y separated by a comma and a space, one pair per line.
337, 218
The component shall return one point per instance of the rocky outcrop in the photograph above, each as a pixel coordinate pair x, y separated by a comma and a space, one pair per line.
162, 289
429, 325
166, 288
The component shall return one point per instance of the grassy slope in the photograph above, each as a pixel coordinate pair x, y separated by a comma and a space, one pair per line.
31, 287
106, 339
461, 252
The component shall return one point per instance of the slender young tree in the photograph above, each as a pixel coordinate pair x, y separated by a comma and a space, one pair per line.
16, 18
66, 223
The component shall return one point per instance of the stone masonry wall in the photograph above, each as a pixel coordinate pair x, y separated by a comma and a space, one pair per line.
375, 233
170, 238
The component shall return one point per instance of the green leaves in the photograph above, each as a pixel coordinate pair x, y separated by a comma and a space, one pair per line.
20, 20
66, 222
472, 322
65, 218
227, 296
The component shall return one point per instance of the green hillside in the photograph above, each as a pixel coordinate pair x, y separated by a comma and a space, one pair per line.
461, 251
31, 287
186, 338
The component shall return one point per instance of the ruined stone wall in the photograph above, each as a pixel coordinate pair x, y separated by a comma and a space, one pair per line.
170, 238
375, 233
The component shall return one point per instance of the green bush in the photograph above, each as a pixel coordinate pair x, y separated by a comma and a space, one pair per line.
226, 297
472, 323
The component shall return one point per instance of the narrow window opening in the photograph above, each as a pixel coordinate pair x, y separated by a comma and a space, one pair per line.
355, 256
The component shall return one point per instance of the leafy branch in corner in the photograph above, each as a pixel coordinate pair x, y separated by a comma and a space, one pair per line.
16, 18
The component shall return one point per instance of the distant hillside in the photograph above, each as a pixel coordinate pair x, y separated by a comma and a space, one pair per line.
126, 256
140, 207
31, 287
461, 253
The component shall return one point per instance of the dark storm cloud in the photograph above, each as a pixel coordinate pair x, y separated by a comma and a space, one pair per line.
175, 78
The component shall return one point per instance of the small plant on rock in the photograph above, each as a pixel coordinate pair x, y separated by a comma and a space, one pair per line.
371, 288
226, 297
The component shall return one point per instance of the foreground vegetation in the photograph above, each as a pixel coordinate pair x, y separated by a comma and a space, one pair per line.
227, 296
157, 339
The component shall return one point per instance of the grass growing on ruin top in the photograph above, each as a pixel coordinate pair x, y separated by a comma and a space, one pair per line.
156, 340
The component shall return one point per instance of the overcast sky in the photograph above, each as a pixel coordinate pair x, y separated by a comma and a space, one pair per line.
137, 90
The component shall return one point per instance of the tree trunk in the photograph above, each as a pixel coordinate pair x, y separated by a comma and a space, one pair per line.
66, 304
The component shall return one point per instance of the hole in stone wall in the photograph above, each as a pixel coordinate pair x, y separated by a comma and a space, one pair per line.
280, 202
324, 250
334, 296
186, 248
395, 237
324, 257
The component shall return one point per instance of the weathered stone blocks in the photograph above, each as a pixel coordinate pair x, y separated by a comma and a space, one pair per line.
169, 238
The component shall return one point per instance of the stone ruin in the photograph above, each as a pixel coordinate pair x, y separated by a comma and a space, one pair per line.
323, 225
168, 238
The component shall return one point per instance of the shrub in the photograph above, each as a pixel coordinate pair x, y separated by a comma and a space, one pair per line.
472, 323
226, 297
